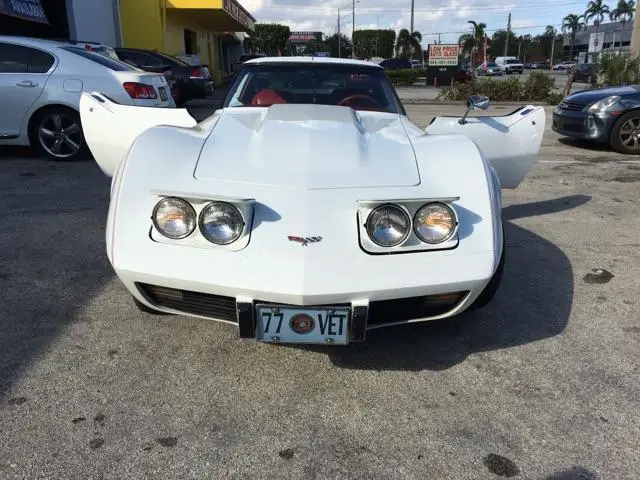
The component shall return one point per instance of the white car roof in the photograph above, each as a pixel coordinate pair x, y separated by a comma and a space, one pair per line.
322, 60
42, 42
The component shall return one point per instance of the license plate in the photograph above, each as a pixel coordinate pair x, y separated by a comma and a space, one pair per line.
319, 325
163, 94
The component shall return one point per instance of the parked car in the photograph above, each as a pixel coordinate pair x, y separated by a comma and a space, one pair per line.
235, 66
586, 73
41, 82
414, 239
462, 74
187, 82
491, 69
510, 65
564, 65
605, 115
395, 63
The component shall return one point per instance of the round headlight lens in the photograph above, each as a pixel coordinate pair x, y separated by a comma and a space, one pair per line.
434, 223
221, 223
174, 218
388, 225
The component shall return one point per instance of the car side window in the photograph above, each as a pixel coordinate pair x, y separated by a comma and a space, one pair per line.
138, 58
13, 58
39, 61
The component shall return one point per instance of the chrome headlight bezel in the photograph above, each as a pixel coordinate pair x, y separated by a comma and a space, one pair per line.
232, 208
186, 205
400, 210
449, 210
411, 243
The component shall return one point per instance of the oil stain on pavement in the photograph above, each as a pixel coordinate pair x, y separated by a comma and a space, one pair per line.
499, 465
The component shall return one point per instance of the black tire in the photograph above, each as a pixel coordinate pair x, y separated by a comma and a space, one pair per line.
492, 287
618, 138
143, 308
64, 129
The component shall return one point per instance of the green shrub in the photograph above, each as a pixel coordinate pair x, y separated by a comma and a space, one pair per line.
618, 69
554, 98
537, 87
405, 77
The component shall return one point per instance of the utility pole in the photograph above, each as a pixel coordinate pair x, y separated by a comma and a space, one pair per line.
339, 38
553, 44
519, 45
439, 42
506, 41
353, 29
412, 10
635, 33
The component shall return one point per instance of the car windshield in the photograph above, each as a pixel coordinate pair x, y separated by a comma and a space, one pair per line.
512, 61
361, 88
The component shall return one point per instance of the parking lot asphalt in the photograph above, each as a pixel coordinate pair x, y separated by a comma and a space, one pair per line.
542, 384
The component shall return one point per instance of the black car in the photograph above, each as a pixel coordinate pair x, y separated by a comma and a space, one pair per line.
606, 115
187, 82
396, 63
586, 73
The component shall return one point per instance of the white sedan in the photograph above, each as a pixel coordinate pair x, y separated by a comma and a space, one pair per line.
41, 82
309, 209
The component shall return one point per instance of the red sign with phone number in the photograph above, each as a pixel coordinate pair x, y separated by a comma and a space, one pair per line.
443, 54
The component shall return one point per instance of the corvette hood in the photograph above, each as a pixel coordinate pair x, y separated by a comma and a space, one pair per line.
308, 146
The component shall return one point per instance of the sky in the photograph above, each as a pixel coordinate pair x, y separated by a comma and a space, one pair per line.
447, 17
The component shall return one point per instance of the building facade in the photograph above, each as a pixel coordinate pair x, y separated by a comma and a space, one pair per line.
206, 31
209, 32
607, 37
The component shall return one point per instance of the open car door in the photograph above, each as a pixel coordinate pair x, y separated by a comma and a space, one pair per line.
510, 143
111, 128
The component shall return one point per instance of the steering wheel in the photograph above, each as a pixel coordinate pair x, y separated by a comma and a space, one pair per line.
345, 102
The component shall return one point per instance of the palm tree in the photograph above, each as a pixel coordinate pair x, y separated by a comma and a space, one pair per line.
596, 10
623, 13
408, 44
573, 23
470, 42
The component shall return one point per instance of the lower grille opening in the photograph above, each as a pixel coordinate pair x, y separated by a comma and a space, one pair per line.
207, 305
224, 308
403, 309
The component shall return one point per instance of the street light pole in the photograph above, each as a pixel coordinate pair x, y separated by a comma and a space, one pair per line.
353, 29
412, 10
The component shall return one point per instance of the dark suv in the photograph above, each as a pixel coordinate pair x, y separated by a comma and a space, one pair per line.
395, 63
187, 82
586, 73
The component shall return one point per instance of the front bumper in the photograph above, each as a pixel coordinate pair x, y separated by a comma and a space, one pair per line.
241, 311
395, 289
582, 125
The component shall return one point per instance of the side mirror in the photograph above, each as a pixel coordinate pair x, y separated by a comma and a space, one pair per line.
473, 102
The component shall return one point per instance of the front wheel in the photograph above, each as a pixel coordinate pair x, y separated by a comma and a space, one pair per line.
56, 133
625, 134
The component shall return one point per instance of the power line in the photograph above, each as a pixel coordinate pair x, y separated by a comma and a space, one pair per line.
471, 8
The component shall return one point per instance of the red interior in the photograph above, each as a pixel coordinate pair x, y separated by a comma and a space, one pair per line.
267, 97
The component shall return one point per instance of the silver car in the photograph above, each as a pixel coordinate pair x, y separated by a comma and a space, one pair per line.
41, 82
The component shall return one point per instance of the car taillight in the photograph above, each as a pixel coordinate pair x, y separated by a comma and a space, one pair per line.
140, 90
198, 73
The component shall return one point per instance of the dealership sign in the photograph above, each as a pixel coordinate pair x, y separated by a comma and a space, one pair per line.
443, 54
237, 12
26, 9
303, 36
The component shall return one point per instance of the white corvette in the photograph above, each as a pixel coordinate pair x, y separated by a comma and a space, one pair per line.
308, 209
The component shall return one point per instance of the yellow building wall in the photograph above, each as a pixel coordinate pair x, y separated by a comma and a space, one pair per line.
141, 22
207, 42
148, 24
